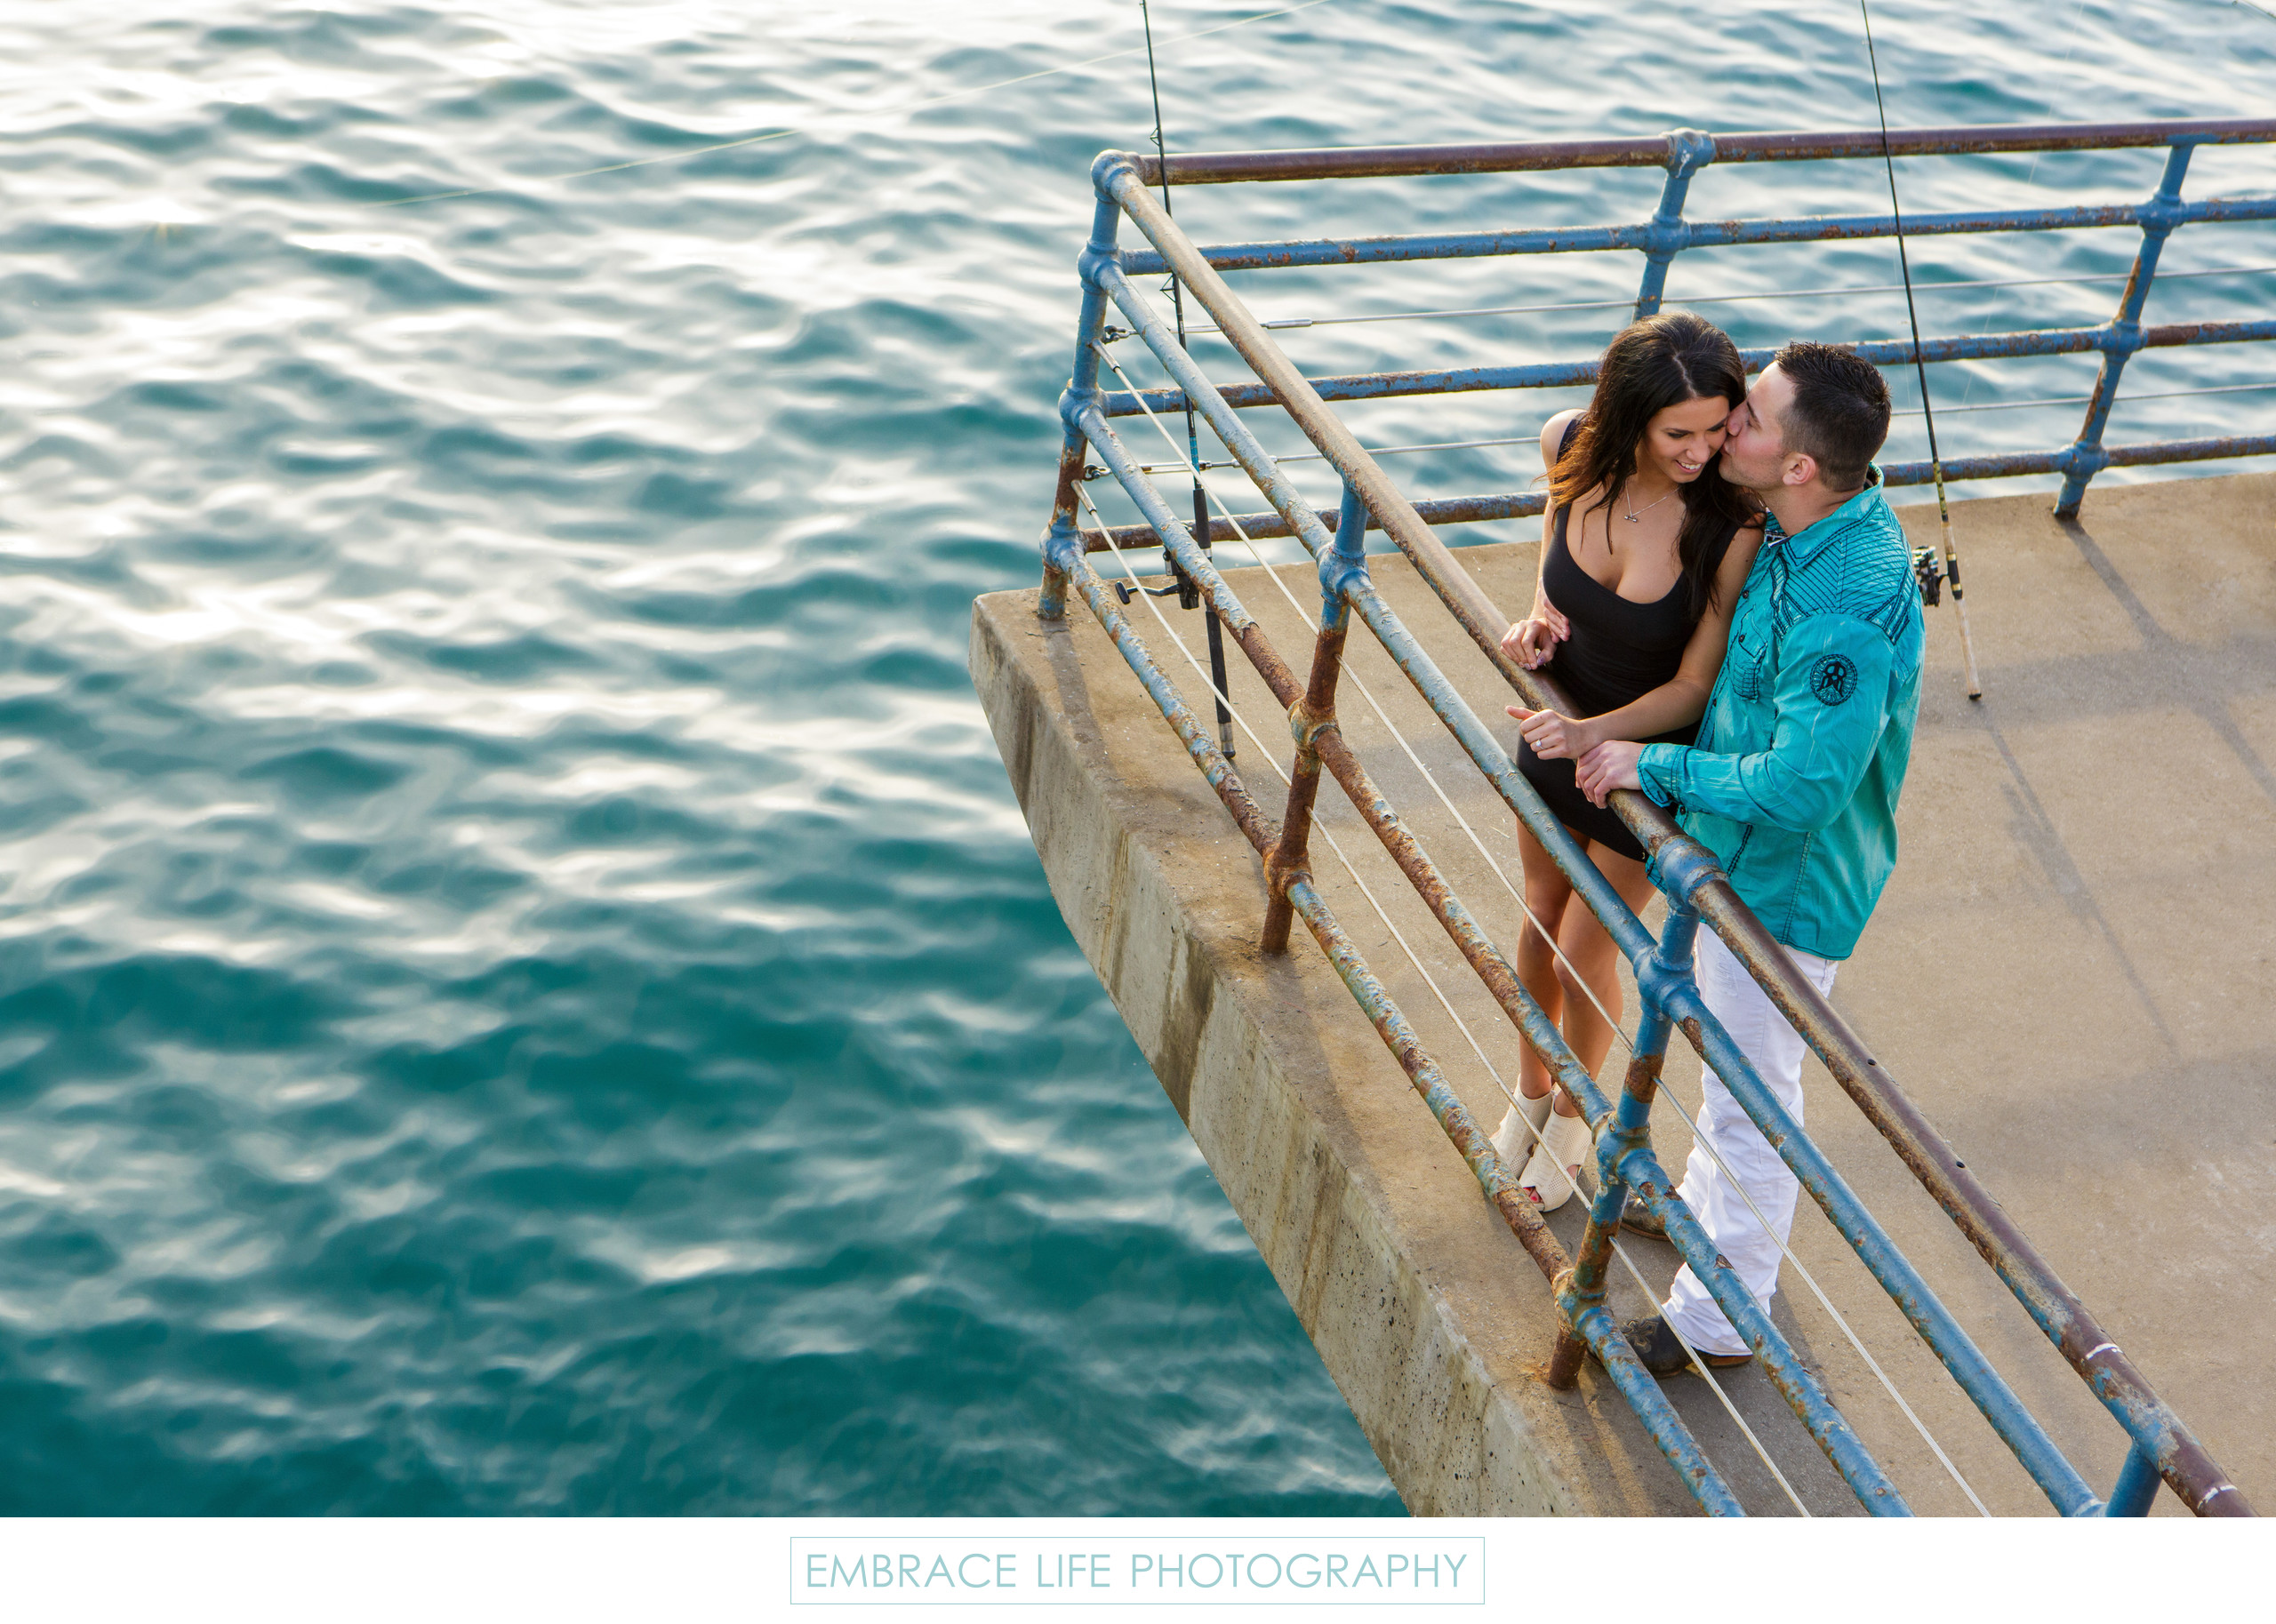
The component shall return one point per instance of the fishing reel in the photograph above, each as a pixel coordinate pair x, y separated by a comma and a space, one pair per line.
1188, 592
1928, 569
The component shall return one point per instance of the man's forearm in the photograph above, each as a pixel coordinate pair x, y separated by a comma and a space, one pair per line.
1756, 789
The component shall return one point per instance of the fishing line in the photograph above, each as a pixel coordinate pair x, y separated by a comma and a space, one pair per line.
2032, 173
1372, 450
784, 135
1188, 595
1925, 561
2080, 400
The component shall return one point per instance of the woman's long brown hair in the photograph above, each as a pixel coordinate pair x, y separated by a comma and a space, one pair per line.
1660, 362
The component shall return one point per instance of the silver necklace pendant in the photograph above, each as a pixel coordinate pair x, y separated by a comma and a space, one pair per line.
1634, 516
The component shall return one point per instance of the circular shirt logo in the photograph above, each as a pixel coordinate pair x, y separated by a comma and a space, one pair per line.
1833, 678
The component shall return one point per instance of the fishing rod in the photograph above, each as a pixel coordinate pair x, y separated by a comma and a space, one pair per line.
1189, 594
1924, 561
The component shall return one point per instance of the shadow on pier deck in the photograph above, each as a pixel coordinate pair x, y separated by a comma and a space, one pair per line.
2071, 968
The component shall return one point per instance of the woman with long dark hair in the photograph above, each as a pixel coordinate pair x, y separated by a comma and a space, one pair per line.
1643, 548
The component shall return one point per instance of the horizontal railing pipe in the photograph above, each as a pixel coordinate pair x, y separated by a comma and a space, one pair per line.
1374, 386
1263, 526
1498, 505
2190, 450
1570, 374
1404, 249
1493, 507
1652, 151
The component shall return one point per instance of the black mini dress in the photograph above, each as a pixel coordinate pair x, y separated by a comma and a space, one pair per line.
1618, 652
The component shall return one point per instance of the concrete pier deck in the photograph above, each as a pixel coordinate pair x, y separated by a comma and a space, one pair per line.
2070, 973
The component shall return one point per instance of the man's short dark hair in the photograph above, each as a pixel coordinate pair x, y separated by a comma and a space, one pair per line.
1840, 411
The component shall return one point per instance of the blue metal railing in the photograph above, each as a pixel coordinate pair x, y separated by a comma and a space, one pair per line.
2162, 1448
1684, 153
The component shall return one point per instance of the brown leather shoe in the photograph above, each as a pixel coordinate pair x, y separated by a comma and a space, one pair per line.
1661, 1354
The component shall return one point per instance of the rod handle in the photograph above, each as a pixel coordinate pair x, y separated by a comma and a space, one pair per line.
1967, 647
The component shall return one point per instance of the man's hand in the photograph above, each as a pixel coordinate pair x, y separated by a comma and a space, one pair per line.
1533, 642
1610, 766
1553, 737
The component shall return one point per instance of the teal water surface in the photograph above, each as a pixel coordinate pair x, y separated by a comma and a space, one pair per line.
523, 986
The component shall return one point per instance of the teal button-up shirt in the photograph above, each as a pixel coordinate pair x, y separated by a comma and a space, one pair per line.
1793, 782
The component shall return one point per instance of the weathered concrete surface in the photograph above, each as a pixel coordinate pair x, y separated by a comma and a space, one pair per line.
2070, 973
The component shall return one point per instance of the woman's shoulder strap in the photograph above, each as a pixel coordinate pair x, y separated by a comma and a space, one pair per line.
1572, 427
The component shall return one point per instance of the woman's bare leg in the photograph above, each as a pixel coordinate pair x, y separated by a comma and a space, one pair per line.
1547, 893
1593, 961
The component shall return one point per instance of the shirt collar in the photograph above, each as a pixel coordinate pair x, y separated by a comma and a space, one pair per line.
1812, 539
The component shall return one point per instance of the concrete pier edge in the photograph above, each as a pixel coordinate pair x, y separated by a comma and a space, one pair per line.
1455, 1441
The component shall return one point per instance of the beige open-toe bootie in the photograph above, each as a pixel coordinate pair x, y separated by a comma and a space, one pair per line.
1516, 1140
1567, 1143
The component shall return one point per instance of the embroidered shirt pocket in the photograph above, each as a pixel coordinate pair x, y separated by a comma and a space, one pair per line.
1748, 683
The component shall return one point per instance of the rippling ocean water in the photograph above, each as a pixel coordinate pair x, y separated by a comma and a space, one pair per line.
523, 986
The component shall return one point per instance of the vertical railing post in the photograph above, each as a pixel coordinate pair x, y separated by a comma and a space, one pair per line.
2137, 1484
1290, 858
1584, 1288
2085, 457
1688, 152
1082, 389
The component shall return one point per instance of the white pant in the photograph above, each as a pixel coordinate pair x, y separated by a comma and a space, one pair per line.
1777, 1050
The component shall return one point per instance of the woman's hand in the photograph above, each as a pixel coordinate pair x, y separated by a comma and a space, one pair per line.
1553, 737
1533, 642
